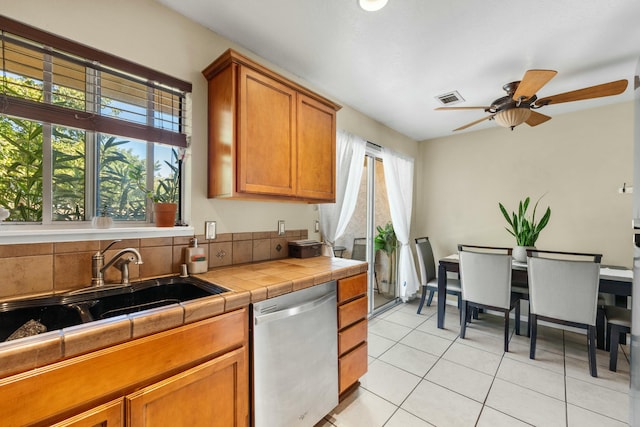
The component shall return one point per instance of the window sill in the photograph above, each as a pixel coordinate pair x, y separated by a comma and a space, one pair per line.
44, 234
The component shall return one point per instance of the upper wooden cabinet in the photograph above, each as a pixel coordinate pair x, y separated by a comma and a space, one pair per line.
269, 138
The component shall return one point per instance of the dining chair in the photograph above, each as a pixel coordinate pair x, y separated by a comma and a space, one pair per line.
618, 321
428, 278
485, 276
563, 289
359, 252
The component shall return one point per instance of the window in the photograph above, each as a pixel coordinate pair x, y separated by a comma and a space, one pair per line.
84, 133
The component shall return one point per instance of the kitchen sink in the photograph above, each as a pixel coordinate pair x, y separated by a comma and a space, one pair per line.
151, 294
89, 304
52, 316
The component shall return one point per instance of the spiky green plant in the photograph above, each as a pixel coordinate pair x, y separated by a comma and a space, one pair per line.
525, 230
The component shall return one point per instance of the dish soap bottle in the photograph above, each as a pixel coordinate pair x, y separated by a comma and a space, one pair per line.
195, 258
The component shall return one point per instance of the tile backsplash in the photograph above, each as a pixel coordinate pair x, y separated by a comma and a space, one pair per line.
45, 268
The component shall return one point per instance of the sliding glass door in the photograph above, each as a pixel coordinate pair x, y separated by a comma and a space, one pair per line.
370, 237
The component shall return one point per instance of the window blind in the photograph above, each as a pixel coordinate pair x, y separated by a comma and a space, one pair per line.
51, 79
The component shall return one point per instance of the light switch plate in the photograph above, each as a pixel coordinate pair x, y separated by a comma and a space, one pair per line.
316, 226
210, 230
281, 228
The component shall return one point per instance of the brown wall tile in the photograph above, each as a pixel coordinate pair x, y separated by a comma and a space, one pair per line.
72, 270
279, 248
220, 254
9, 251
26, 275
261, 235
156, 241
85, 246
126, 243
223, 237
242, 252
261, 249
156, 261
242, 236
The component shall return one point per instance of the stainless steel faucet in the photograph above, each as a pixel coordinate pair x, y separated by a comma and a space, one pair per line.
98, 265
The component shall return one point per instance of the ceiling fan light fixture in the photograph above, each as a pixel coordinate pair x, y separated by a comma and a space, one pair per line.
512, 117
372, 5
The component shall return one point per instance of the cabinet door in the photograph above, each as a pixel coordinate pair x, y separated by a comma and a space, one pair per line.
107, 415
316, 167
215, 393
266, 135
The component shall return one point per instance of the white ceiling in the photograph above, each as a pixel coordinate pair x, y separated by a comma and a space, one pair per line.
391, 64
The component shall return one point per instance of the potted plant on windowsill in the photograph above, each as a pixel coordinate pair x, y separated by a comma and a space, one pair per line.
525, 230
164, 197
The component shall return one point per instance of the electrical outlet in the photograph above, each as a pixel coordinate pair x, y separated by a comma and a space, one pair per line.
316, 226
281, 228
210, 230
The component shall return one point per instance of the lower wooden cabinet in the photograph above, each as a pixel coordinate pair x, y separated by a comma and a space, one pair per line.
352, 330
205, 396
193, 375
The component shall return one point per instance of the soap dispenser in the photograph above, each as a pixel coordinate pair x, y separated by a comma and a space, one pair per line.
195, 257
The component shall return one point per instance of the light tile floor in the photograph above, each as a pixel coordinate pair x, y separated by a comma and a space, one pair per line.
420, 375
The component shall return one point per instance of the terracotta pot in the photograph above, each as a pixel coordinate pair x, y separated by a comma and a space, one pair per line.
165, 214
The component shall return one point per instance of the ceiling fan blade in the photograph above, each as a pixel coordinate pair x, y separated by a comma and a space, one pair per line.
536, 118
598, 91
462, 108
531, 83
475, 123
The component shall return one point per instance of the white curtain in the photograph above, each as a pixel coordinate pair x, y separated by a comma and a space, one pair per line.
398, 174
334, 217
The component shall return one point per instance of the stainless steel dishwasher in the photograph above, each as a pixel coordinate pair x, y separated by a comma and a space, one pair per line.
295, 357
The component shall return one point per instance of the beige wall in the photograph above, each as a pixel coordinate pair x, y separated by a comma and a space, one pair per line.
146, 32
577, 160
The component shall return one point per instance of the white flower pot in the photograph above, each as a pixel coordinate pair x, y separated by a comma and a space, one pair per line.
520, 253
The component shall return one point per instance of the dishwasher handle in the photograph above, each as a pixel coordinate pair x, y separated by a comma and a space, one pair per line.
292, 311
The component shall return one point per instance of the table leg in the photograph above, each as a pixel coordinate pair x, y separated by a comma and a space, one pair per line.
442, 294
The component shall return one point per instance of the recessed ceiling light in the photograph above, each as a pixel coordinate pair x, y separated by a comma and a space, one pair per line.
372, 5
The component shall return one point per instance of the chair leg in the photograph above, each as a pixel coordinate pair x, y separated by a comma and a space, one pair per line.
424, 294
529, 321
607, 344
614, 333
431, 293
534, 330
463, 319
506, 331
600, 322
518, 317
591, 341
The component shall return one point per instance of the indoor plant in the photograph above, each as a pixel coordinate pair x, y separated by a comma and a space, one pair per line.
163, 198
525, 230
387, 242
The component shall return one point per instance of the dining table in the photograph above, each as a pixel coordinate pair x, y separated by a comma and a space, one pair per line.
614, 280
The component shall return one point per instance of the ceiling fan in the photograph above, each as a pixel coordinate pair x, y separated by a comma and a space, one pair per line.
521, 101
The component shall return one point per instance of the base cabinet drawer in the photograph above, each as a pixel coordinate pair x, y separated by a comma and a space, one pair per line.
352, 312
352, 287
352, 336
352, 366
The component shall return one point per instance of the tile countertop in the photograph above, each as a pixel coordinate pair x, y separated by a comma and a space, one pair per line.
247, 283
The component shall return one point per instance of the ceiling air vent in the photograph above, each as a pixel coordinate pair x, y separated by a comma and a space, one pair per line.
450, 98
